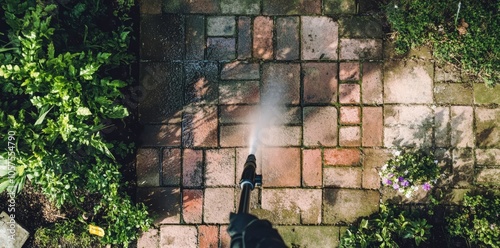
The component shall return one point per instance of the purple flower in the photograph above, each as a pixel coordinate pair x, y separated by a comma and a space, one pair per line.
401, 179
405, 183
395, 186
391, 175
388, 182
426, 186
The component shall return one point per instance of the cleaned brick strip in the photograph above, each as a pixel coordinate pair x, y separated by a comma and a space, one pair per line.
280, 136
225, 240
342, 156
281, 167
219, 167
263, 38
174, 236
312, 168
372, 126
237, 114
372, 83
235, 135
218, 201
319, 38
192, 205
320, 126
208, 236
171, 167
342, 177
350, 115
192, 168
287, 38
350, 136
148, 239
292, 206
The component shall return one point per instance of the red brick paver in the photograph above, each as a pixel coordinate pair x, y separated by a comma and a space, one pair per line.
263, 37
208, 236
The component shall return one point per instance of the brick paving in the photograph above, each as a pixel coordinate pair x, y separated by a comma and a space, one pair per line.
208, 66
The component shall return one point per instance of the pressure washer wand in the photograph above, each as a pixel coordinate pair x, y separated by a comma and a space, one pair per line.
248, 182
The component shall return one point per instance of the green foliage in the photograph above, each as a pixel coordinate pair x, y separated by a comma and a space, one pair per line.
57, 90
478, 221
391, 227
410, 171
66, 234
466, 34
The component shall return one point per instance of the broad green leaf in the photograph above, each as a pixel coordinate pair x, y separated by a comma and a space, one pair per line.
83, 111
43, 114
118, 112
4, 185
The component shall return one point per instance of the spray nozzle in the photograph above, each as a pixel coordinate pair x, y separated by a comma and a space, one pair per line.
248, 176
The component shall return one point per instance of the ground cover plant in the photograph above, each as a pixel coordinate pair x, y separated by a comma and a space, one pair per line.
478, 221
463, 32
58, 63
473, 223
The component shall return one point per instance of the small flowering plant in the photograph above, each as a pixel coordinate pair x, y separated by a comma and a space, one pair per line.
409, 172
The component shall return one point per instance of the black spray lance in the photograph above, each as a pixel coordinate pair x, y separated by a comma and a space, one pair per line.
248, 182
246, 230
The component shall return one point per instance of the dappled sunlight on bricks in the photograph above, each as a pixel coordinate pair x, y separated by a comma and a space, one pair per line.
337, 109
192, 168
164, 203
263, 37
192, 205
200, 127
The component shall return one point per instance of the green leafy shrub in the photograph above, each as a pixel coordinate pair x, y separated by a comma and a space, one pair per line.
57, 90
478, 221
391, 227
464, 32
410, 171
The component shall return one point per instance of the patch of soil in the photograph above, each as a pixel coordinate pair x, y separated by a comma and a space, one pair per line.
32, 210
